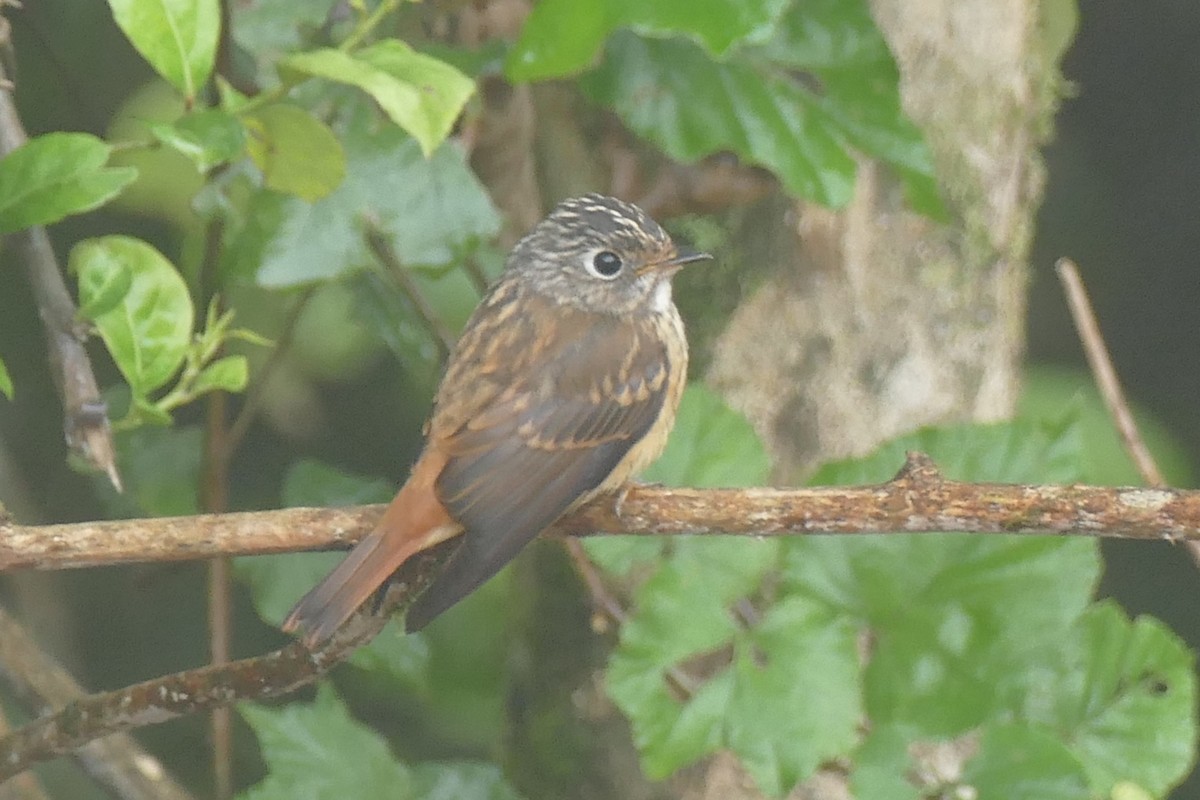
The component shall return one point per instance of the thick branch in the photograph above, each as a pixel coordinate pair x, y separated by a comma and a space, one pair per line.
214, 686
117, 762
917, 499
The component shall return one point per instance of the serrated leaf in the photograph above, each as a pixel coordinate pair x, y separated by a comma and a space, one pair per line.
209, 137
692, 106
228, 374
56, 175
297, 153
177, 37
561, 37
6, 384
795, 701
429, 210
319, 750
148, 332
418, 92
788, 700
936, 602
711, 445
1018, 762
1122, 697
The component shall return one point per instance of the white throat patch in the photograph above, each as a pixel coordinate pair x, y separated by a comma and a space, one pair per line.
662, 296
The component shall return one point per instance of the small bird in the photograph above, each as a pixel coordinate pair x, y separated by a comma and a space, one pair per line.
564, 384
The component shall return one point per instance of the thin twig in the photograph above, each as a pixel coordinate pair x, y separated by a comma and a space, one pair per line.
118, 763
479, 278
25, 786
85, 424
606, 608
1107, 382
1104, 372
443, 337
255, 394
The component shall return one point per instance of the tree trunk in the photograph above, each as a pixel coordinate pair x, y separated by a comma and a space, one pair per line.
876, 320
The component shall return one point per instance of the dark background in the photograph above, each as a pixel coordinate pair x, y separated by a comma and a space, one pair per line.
1122, 199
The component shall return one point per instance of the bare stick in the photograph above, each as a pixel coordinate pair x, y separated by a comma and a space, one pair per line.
1107, 382
918, 499
117, 763
1104, 372
85, 418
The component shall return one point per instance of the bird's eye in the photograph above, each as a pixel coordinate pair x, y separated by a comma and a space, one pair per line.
605, 264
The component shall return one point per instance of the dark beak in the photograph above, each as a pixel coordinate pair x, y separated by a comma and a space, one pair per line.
685, 256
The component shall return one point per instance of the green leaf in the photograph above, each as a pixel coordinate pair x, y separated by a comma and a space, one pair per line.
881, 764
711, 445
430, 210
177, 37
937, 602
209, 138
161, 470
277, 582
319, 750
808, 85
266, 30
1049, 393
561, 37
785, 697
296, 152
317, 485
56, 175
1019, 762
111, 288
838, 43
795, 701
228, 374
148, 332
452, 780
6, 384
1042, 451
672, 93
1122, 697
421, 94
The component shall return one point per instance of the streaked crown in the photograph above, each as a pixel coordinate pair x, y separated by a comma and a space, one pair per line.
601, 254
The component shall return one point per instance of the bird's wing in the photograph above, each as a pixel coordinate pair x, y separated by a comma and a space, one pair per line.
553, 434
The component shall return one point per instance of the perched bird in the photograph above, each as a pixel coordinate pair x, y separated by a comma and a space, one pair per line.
563, 385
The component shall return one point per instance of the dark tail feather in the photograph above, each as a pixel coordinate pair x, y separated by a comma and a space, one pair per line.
331, 602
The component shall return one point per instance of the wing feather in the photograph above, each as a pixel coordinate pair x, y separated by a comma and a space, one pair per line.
544, 441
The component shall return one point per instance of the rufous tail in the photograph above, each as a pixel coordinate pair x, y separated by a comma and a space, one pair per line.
414, 520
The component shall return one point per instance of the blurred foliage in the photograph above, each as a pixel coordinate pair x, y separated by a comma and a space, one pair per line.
789, 653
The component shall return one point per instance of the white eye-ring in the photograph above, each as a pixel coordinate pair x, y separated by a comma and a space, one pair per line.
605, 264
